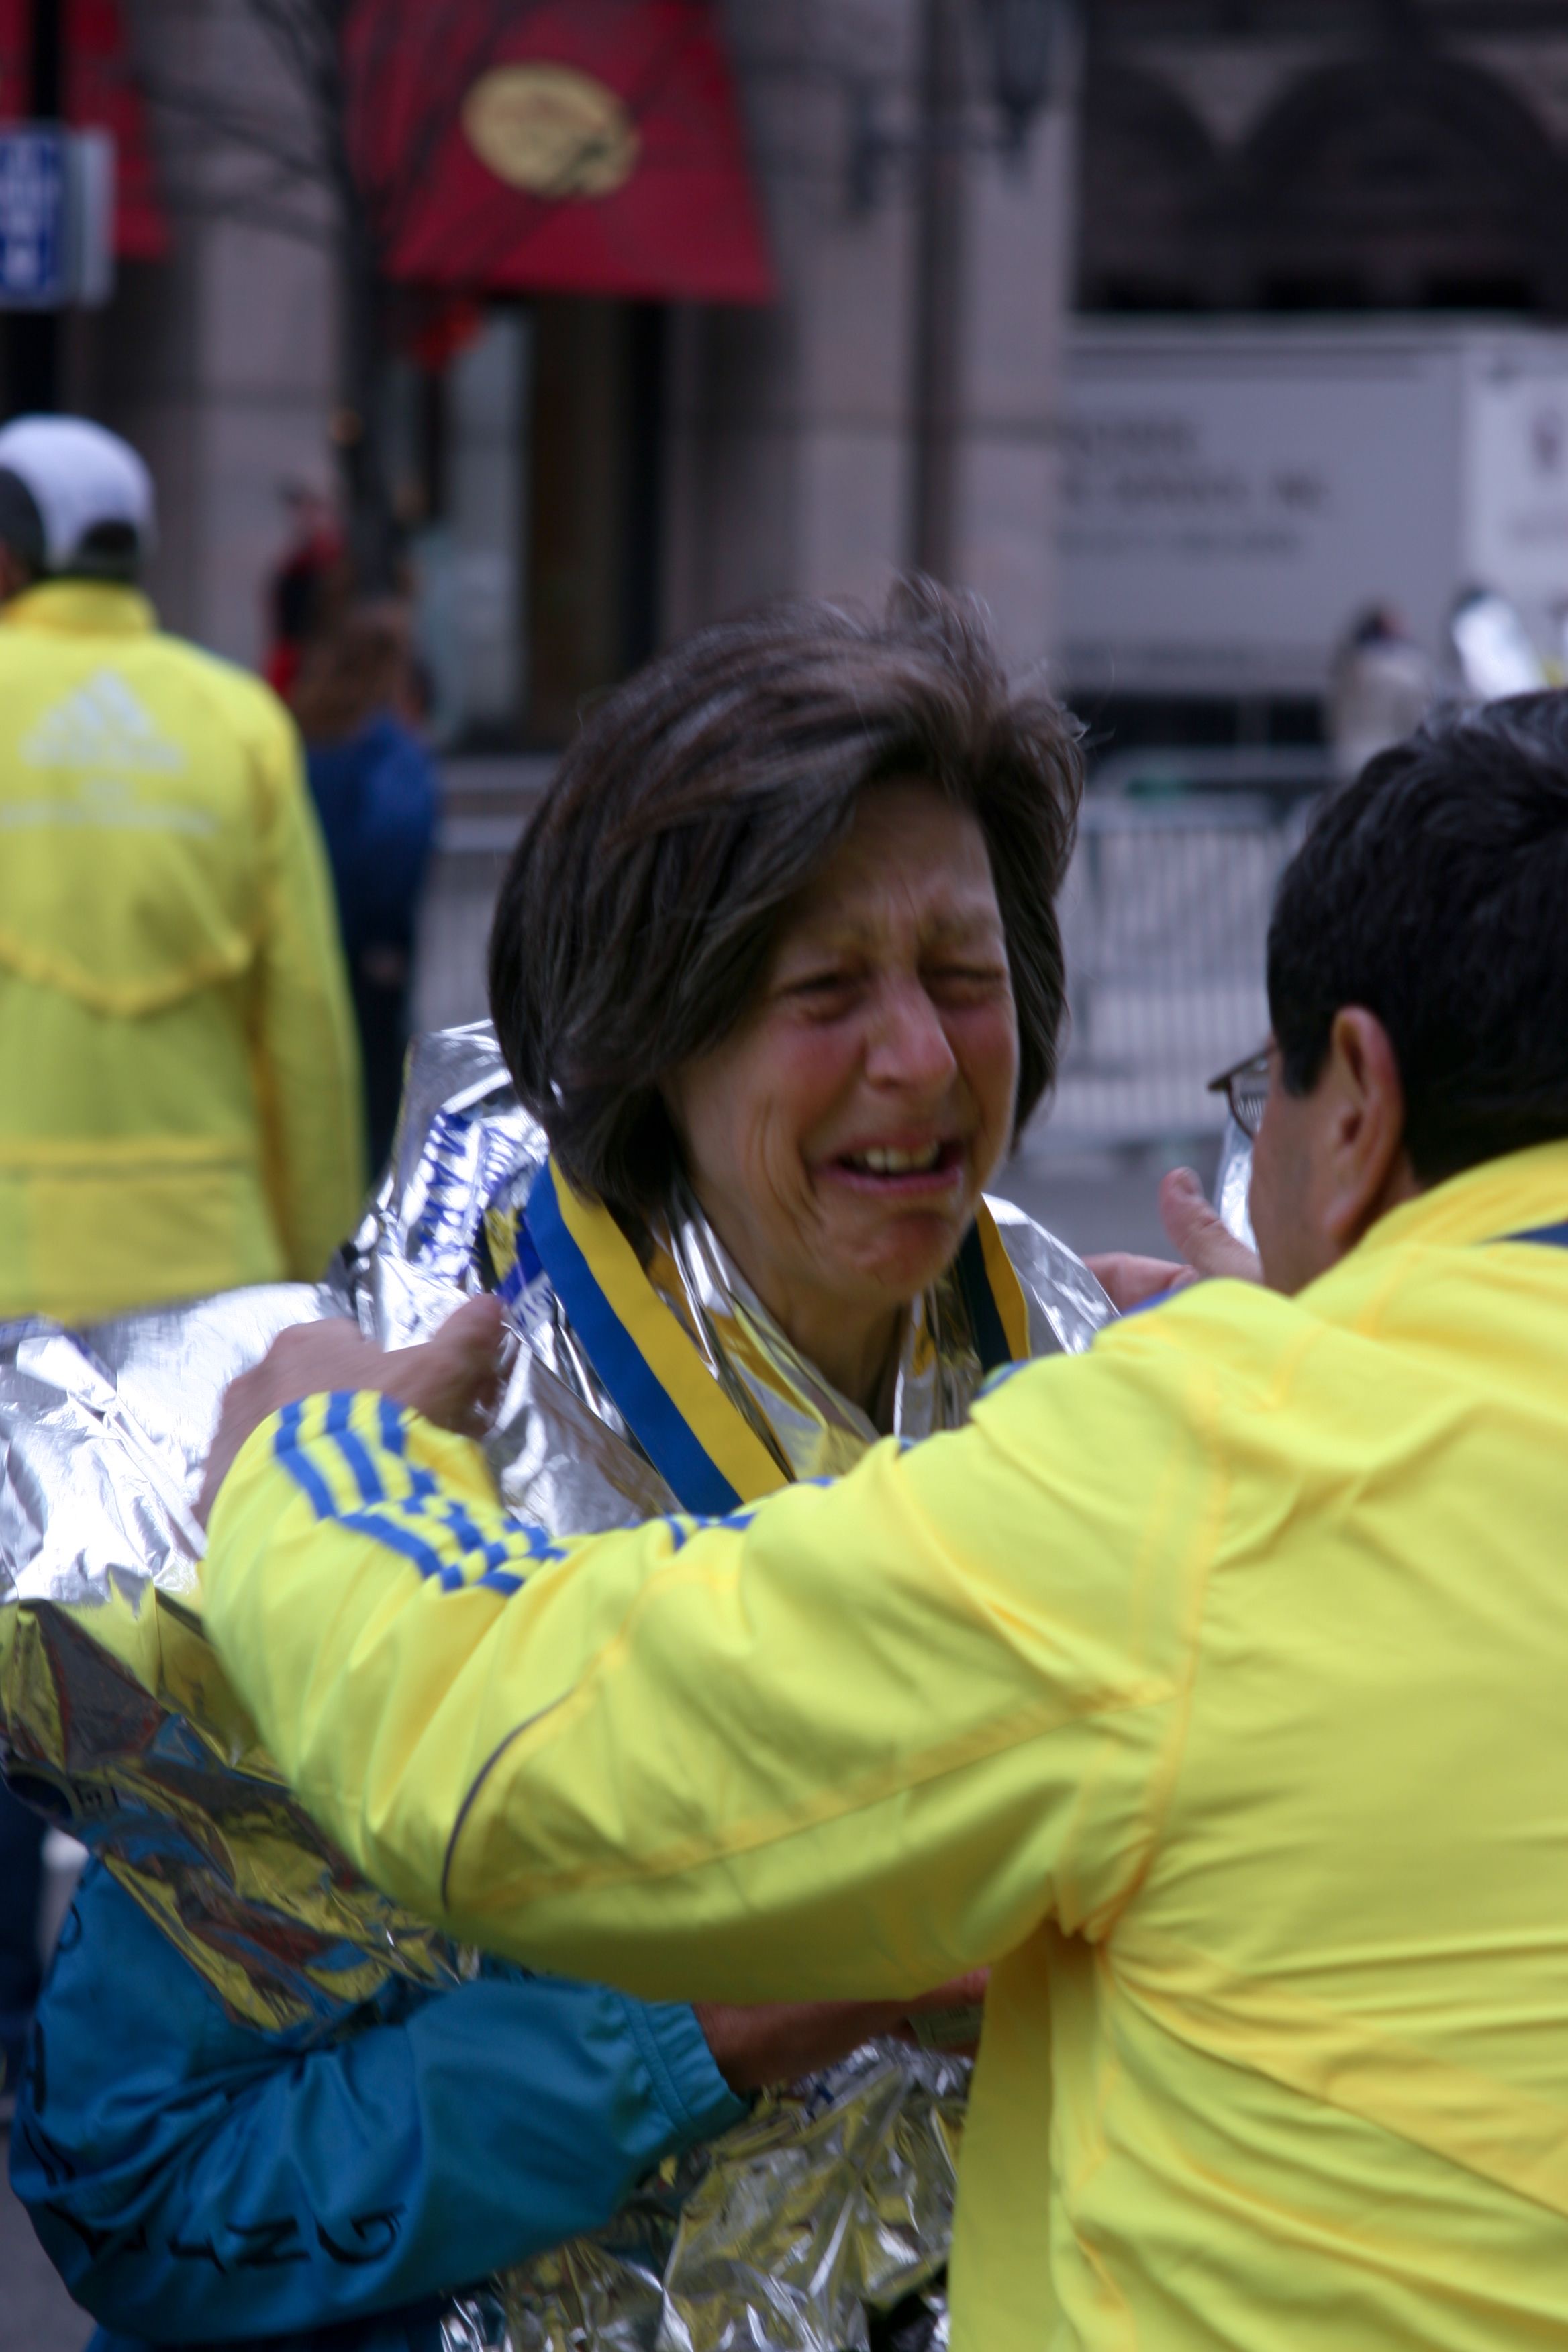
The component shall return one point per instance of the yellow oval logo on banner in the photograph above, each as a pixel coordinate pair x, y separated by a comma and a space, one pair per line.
551, 131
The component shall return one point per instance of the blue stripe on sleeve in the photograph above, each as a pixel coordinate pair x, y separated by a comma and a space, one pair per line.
431, 1529
286, 1450
352, 1448
462, 1527
390, 1418
425, 1559
541, 1545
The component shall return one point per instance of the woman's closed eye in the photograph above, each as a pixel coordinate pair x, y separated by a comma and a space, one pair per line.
832, 989
965, 980
824, 989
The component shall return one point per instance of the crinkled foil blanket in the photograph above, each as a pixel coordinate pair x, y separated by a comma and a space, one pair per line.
118, 1720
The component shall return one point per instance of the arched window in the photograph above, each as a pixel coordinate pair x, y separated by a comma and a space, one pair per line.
1148, 195
1402, 184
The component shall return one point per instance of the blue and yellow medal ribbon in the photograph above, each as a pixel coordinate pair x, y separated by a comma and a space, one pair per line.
700, 1445
998, 1311
705, 1451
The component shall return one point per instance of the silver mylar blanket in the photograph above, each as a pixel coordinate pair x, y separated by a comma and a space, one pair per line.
117, 1718
1232, 1183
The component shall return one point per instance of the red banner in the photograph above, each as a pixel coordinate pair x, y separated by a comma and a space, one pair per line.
586, 146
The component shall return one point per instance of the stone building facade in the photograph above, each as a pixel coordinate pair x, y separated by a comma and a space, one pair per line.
592, 477
218, 360
608, 474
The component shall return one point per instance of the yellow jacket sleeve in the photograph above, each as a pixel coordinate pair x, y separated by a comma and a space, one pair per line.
851, 1742
306, 1053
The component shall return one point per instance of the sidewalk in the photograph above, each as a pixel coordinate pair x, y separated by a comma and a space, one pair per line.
37, 2315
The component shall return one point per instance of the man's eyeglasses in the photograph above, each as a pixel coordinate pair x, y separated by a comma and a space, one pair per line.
1244, 1086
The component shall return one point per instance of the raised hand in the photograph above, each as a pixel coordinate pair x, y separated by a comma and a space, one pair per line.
453, 1380
1206, 1246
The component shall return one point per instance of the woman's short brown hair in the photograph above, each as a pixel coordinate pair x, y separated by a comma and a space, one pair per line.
636, 919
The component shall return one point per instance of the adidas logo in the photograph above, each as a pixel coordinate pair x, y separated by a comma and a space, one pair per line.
101, 725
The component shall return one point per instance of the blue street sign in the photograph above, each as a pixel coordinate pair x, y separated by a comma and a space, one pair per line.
35, 241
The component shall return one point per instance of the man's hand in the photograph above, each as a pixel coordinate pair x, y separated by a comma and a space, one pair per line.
1193, 1225
1130, 1281
778, 2041
454, 1379
1207, 1248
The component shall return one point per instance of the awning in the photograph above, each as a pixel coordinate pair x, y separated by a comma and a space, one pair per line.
100, 95
580, 146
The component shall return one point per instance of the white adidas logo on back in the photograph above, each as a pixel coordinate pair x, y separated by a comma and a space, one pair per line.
101, 725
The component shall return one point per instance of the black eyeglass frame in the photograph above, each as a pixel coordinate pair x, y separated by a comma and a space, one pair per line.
1228, 1084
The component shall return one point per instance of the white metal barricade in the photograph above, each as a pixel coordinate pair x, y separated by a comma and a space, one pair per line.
1165, 917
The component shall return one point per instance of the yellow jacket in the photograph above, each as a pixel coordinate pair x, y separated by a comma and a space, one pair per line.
179, 1089
1212, 1685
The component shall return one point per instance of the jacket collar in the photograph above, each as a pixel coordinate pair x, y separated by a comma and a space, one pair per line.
1512, 1195
81, 608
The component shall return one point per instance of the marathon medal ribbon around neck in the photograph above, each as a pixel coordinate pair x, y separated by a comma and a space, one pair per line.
998, 1311
691, 1432
688, 1428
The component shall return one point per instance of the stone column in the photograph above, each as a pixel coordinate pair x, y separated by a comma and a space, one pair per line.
219, 363
789, 427
1015, 295
793, 446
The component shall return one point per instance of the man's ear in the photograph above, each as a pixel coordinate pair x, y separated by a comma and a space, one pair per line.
1369, 1170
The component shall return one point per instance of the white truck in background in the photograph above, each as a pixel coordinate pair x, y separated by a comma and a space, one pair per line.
1235, 493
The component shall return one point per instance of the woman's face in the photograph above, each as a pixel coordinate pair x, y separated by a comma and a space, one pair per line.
841, 1134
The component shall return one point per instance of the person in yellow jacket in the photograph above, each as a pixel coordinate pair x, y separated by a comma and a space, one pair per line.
1209, 1685
179, 1091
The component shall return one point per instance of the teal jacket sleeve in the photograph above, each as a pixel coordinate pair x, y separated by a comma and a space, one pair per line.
194, 2179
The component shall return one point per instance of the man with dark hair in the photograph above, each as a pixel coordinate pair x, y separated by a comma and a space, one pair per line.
1433, 895
1208, 1685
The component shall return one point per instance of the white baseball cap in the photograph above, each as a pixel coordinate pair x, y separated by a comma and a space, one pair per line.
79, 477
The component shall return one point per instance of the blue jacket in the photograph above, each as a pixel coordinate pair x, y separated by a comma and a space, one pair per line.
377, 797
210, 2182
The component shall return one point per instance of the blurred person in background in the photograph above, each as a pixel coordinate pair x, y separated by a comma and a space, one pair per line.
1382, 688
375, 794
179, 1088
308, 585
1492, 655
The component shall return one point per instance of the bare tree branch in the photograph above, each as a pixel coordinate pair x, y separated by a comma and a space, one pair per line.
247, 210
237, 126
378, 87
299, 35
448, 70
353, 64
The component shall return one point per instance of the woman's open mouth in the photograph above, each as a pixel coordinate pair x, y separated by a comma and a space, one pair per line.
901, 1168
